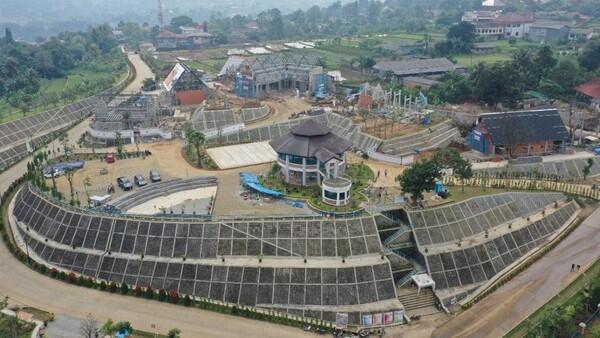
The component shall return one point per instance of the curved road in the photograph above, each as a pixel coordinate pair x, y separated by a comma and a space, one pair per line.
24, 286
505, 308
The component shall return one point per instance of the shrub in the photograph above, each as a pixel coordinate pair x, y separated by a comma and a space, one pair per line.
187, 301
124, 289
53, 273
137, 291
71, 278
162, 295
62, 275
112, 287
149, 293
173, 297
103, 285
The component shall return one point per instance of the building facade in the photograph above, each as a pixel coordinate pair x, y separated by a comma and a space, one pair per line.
519, 133
311, 155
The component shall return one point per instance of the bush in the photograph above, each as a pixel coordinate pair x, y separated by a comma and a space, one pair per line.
71, 278
53, 273
173, 297
149, 293
103, 286
187, 301
112, 287
137, 291
124, 289
162, 295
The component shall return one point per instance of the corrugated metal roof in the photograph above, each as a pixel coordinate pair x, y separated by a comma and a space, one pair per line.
522, 127
417, 66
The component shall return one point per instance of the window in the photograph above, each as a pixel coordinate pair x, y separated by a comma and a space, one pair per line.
342, 196
330, 195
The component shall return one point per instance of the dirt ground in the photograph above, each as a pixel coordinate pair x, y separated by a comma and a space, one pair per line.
283, 109
167, 158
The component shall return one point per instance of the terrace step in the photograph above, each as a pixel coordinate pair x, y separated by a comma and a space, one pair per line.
413, 300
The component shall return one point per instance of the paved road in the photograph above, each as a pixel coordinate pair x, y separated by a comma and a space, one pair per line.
505, 308
142, 72
27, 287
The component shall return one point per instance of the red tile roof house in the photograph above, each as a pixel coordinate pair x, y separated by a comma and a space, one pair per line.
591, 92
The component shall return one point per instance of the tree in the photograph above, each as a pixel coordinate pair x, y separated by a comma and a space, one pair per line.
69, 176
108, 327
587, 168
8, 37
174, 333
276, 29
463, 170
497, 83
419, 178
88, 327
119, 142
87, 182
461, 37
196, 139
181, 21
590, 57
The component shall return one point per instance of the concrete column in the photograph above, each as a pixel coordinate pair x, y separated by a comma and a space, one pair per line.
287, 169
303, 171
318, 172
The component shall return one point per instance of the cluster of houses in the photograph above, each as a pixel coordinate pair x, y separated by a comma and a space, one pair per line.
189, 38
492, 22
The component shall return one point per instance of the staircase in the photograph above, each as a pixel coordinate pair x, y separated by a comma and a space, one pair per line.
423, 303
403, 230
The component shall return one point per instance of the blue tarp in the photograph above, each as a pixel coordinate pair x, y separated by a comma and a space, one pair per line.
251, 181
65, 166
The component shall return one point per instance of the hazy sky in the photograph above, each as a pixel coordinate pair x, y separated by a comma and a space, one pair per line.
22, 11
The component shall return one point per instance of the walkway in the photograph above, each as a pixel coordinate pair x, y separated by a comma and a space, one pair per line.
505, 308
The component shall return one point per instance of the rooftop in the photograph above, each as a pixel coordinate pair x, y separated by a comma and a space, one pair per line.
529, 126
514, 18
311, 139
417, 66
591, 88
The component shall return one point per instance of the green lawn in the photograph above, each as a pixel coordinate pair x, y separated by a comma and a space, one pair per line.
82, 81
471, 60
457, 195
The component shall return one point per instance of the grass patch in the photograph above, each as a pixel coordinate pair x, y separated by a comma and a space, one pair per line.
566, 297
80, 82
457, 195
360, 174
39, 314
471, 60
144, 334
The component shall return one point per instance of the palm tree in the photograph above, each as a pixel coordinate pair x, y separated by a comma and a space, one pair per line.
196, 139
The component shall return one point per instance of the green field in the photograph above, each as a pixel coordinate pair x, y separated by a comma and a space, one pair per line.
80, 82
471, 60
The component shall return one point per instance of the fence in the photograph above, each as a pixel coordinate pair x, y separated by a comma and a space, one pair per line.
527, 184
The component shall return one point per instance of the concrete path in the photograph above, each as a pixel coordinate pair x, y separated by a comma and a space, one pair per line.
512, 303
142, 72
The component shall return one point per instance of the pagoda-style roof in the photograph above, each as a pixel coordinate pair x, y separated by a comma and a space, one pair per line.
311, 139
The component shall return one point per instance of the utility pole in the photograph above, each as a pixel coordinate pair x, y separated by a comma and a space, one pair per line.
161, 19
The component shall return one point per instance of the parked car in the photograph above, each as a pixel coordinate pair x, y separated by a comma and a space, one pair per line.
139, 180
124, 183
154, 176
109, 158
